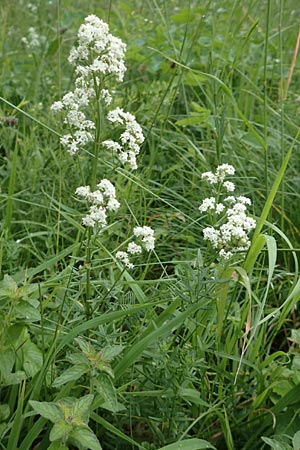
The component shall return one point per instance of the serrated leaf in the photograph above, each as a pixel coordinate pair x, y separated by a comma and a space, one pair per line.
85, 437
189, 444
32, 357
109, 353
81, 408
107, 391
104, 366
77, 358
60, 431
47, 410
71, 374
24, 310
85, 347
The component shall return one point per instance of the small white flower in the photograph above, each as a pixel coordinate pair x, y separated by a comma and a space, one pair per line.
224, 254
130, 139
88, 222
229, 186
219, 208
208, 203
83, 191
244, 200
210, 177
147, 235
134, 248
223, 170
102, 199
57, 106
230, 235
124, 258
212, 235
107, 98
112, 145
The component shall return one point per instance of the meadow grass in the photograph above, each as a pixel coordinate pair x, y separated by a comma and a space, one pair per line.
186, 350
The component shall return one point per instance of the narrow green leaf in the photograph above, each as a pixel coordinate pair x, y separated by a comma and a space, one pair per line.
4, 412
269, 203
192, 396
276, 445
112, 429
105, 318
17, 423
32, 434
189, 444
291, 398
130, 356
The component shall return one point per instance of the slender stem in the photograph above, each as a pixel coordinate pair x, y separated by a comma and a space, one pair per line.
88, 276
266, 97
11, 188
97, 135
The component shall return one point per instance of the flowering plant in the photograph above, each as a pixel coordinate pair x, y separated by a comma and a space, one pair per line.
98, 58
230, 231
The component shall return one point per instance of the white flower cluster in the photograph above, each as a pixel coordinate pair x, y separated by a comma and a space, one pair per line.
131, 138
230, 234
107, 50
98, 55
101, 200
33, 40
147, 241
218, 177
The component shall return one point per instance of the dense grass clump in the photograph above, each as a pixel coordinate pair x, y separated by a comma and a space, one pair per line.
149, 276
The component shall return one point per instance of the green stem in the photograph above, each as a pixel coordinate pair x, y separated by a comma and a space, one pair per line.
266, 97
11, 189
97, 136
88, 262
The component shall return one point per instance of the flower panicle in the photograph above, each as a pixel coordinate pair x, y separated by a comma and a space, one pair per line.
230, 234
146, 241
101, 200
98, 55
